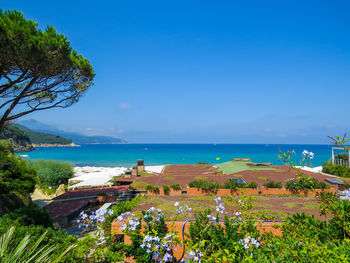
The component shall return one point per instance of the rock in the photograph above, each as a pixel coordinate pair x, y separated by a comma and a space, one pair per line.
60, 190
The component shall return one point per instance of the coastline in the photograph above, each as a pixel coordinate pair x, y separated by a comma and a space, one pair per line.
55, 145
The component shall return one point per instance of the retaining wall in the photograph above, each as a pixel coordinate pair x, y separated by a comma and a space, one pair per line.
244, 191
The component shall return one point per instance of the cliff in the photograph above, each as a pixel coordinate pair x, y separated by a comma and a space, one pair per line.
19, 140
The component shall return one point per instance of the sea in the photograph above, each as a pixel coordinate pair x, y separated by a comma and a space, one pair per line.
126, 155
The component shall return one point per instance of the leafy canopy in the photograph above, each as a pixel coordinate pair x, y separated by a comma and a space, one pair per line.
15, 174
38, 69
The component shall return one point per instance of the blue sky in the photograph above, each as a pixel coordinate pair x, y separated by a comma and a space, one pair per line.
206, 71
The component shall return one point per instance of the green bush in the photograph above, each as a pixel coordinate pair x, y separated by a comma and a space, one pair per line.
343, 156
335, 169
305, 183
166, 189
51, 173
153, 189
211, 186
175, 187
15, 174
30, 215
250, 185
233, 184
272, 184
59, 239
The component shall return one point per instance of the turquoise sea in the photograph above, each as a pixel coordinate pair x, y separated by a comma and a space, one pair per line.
156, 154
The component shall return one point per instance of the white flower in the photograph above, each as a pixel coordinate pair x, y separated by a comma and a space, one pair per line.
311, 155
305, 153
177, 204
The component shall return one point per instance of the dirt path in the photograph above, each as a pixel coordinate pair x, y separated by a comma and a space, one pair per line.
41, 199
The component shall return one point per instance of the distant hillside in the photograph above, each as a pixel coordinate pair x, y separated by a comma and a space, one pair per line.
19, 139
75, 137
42, 137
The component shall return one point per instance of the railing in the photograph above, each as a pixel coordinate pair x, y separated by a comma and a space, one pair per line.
341, 162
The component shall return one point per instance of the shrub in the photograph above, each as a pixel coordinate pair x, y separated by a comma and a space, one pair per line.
211, 186
272, 184
51, 173
175, 187
153, 189
30, 215
305, 183
166, 189
233, 184
102, 194
343, 156
15, 174
59, 239
335, 169
250, 185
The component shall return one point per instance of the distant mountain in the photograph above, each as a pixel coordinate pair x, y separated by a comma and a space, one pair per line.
42, 137
75, 137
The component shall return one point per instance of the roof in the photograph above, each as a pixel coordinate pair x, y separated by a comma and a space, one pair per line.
92, 192
66, 208
334, 181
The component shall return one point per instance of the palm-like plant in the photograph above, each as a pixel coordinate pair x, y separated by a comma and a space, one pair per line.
27, 250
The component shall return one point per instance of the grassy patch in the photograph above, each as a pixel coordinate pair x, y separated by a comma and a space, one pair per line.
256, 170
144, 174
151, 200
169, 210
267, 214
293, 205
263, 178
261, 205
307, 206
311, 206
169, 178
201, 178
238, 175
259, 198
139, 185
344, 179
203, 198
279, 171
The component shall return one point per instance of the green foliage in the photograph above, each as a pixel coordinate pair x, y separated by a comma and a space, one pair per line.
272, 184
221, 242
119, 208
52, 173
15, 174
335, 169
166, 189
27, 250
175, 187
18, 138
42, 137
29, 215
343, 156
39, 68
211, 186
305, 183
139, 185
233, 184
144, 174
58, 239
153, 189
